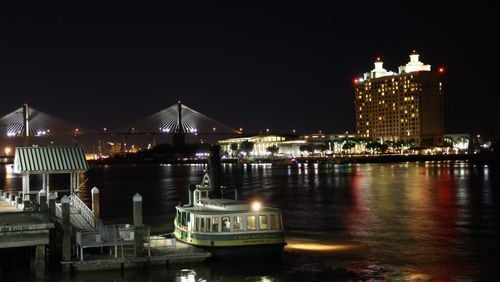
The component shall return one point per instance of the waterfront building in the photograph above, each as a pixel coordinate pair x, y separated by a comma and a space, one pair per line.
401, 107
315, 144
259, 147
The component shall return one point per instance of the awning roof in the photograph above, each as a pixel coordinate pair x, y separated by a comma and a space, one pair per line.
38, 160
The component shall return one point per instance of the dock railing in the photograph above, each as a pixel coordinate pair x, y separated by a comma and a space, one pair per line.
84, 210
118, 237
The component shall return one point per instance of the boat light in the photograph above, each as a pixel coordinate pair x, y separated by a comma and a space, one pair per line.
256, 206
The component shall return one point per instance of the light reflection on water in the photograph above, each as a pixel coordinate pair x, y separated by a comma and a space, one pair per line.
399, 221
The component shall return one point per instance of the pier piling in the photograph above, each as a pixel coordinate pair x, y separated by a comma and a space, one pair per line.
95, 202
66, 239
138, 226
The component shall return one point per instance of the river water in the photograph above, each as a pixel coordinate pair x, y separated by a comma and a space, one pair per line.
403, 221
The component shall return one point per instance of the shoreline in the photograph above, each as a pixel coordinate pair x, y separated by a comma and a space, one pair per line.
352, 159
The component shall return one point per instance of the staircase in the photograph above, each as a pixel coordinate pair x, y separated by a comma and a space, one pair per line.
81, 217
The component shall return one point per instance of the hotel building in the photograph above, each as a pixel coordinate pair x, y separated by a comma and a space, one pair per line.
406, 106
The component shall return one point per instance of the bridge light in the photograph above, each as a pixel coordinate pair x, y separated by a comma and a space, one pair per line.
267, 130
241, 129
214, 129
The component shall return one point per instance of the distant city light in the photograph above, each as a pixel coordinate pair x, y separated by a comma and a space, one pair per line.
7, 151
441, 70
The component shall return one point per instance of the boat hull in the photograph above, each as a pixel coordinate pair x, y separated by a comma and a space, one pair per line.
235, 245
268, 250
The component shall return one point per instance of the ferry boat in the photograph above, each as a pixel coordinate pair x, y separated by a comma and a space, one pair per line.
227, 227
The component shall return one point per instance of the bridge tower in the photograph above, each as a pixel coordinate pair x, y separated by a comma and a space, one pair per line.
179, 137
26, 128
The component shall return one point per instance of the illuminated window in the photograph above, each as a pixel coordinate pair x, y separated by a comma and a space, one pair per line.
226, 224
263, 222
207, 225
215, 224
197, 224
273, 221
237, 223
251, 222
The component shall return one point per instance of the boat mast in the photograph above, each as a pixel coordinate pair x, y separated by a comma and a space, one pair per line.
214, 171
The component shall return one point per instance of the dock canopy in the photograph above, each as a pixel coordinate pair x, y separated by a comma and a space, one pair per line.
40, 160
50, 160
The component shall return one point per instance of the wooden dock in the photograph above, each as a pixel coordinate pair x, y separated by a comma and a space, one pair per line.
162, 251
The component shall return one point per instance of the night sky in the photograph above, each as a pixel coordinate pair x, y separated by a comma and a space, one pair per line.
254, 65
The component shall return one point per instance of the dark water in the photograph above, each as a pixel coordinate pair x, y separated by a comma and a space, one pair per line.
404, 221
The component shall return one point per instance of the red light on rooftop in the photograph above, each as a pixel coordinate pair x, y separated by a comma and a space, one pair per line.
356, 80
378, 59
441, 69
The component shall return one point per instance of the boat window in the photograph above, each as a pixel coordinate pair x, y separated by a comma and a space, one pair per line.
183, 218
197, 224
251, 222
278, 220
237, 223
207, 224
202, 225
273, 222
263, 222
226, 224
215, 224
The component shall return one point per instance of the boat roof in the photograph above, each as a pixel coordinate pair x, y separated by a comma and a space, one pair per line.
221, 206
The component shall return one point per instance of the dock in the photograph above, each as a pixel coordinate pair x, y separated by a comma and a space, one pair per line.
60, 226
162, 251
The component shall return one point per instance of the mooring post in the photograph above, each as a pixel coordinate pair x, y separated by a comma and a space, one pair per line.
95, 202
52, 203
42, 200
138, 227
66, 239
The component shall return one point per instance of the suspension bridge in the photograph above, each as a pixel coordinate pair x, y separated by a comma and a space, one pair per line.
176, 119
27, 126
